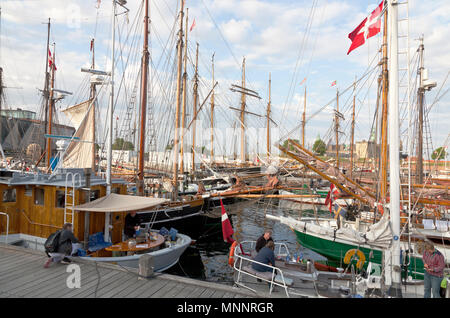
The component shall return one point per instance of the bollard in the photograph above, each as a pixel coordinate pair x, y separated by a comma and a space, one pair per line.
146, 266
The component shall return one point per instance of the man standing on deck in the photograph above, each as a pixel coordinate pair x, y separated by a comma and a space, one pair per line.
434, 264
263, 240
64, 246
132, 222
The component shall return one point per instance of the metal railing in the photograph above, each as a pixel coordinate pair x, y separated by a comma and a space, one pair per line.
240, 258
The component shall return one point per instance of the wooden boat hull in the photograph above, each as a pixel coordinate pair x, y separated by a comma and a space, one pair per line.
163, 259
335, 251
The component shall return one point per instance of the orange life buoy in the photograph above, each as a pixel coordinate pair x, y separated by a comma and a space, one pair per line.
231, 255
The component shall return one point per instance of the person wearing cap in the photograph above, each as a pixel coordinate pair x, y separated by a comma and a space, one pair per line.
434, 264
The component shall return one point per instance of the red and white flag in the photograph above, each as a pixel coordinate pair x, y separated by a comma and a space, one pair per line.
192, 26
303, 82
329, 201
369, 27
227, 229
50, 60
334, 83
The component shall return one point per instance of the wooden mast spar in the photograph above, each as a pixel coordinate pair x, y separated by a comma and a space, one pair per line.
178, 102
384, 134
183, 112
143, 115
51, 105
243, 101
195, 109
212, 111
304, 120
269, 104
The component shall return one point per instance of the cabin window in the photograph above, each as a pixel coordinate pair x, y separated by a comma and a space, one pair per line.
9, 195
39, 196
95, 195
60, 199
115, 190
28, 191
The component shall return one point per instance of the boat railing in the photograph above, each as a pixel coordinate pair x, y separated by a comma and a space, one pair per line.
241, 261
280, 250
7, 226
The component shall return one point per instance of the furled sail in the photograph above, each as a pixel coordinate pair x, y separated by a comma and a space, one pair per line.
79, 152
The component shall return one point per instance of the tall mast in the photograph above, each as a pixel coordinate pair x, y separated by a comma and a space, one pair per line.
212, 111
421, 92
195, 109
178, 102
304, 120
46, 85
183, 113
109, 140
394, 153
111, 106
336, 118
51, 105
353, 132
47, 78
93, 94
384, 116
144, 78
243, 98
269, 104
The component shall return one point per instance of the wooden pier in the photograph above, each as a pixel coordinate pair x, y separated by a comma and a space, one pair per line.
22, 275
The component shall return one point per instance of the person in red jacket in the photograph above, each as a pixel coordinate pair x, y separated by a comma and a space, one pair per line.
434, 264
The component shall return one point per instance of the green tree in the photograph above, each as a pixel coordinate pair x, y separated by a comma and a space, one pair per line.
439, 154
121, 144
289, 146
319, 147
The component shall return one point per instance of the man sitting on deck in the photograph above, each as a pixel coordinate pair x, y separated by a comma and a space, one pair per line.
265, 256
132, 222
263, 240
64, 246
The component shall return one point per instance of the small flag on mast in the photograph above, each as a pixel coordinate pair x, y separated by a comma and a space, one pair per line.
369, 27
334, 83
303, 82
50, 60
192, 26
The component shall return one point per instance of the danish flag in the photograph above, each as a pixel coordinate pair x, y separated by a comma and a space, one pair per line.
369, 27
50, 60
227, 229
329, 201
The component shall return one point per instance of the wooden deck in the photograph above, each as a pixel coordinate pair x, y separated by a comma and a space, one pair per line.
22, 275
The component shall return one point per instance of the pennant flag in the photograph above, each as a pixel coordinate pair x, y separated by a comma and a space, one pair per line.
192, 26
334, 83
304, 80
227, 229
92, 44
98, 3
50, 60
369, 27
329, 201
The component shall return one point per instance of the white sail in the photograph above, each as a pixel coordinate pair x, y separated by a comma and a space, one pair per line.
79, 152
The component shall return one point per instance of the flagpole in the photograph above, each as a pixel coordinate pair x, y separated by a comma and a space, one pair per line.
110, 121
394, 160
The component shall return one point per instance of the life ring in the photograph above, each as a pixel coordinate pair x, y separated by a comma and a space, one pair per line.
231, 255
359, 255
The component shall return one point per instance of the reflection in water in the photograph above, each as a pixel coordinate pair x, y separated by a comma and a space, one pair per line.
208, 258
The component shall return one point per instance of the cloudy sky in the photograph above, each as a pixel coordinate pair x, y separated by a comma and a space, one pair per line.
292, 40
